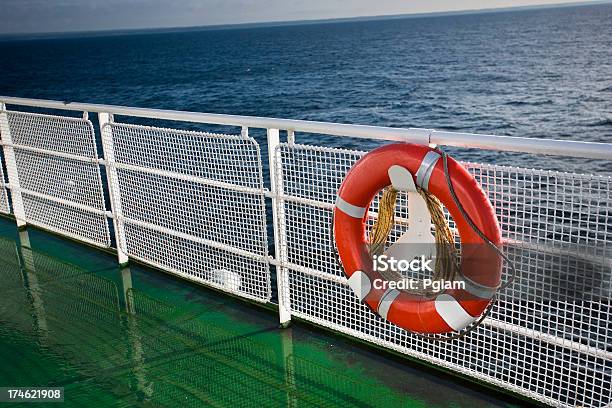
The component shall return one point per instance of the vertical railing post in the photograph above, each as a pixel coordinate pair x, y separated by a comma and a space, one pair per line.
105, 119
11, 168
282, 279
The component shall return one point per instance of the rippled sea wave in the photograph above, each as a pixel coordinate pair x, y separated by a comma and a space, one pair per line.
542, 73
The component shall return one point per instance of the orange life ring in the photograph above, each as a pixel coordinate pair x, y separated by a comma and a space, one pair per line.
452, 309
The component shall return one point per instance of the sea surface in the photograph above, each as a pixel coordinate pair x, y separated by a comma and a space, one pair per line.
542, 73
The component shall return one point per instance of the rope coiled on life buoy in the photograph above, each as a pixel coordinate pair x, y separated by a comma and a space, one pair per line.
446, 266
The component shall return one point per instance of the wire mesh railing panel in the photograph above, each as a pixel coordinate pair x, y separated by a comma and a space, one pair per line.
195, 209
548, 336
73, 222
66, 179
59, 177
200, 262
558, 229
55, 133
229, 159
194, 203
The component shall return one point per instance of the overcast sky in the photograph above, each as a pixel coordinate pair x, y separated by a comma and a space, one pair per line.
32, 16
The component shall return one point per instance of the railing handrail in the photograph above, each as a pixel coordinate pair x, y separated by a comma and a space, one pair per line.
591, 150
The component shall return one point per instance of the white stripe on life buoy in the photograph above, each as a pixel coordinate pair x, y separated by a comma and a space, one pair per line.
452, 313
477, 289
426, 169
386, 301
360, 283
350, 209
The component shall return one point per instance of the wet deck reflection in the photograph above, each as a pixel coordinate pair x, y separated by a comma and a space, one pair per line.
121, 337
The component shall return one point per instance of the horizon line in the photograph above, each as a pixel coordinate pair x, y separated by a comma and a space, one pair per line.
277, 23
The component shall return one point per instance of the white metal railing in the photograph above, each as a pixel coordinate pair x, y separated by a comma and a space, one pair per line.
194, 204
589, 150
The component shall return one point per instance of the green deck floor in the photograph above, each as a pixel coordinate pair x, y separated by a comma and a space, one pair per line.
70, 317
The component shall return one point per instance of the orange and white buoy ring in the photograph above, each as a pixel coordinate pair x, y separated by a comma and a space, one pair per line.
450, 310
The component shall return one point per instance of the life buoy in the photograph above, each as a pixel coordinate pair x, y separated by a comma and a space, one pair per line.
450, 310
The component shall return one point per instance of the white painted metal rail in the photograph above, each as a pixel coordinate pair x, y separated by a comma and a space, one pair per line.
413, 135
195, 204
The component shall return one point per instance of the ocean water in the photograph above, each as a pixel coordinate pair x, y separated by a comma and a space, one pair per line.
543, 73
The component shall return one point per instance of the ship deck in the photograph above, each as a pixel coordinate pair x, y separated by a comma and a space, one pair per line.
71, 317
